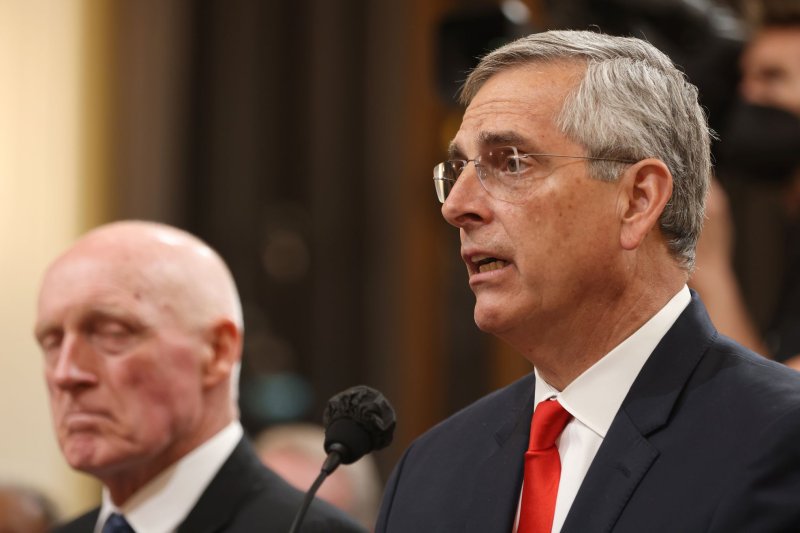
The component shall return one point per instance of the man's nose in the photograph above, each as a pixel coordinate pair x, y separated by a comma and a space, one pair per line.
466, 202
74, 364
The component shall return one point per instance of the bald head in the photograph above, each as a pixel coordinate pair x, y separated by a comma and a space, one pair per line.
176, 266
141, 329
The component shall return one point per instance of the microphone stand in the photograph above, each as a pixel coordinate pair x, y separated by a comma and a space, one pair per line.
331, 463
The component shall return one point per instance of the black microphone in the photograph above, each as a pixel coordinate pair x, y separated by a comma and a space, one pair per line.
357, 421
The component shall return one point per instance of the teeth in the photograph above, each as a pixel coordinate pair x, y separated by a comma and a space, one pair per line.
497, 264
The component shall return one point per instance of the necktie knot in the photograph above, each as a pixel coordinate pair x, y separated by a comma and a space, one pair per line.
116, 523
549, 420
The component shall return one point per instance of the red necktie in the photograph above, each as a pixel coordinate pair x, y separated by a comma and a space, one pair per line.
542, 468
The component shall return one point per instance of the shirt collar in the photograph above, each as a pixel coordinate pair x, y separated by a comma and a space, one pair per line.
596, 395
163, 503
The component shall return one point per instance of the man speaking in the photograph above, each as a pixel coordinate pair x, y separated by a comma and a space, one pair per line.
577, 181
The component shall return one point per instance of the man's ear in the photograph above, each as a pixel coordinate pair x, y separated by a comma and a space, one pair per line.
225, 343
646, 189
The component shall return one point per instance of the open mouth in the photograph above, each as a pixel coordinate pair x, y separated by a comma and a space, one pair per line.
489, 264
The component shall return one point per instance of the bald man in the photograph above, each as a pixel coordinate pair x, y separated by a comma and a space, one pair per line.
141, 329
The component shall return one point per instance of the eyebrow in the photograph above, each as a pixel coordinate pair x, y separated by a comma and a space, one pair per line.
454, 152
489, 138
500, 138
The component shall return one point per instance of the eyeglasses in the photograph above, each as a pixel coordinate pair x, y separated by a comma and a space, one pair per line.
504, 172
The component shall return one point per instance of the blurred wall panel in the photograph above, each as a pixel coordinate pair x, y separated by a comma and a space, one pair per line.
406, 293
150, 74
45, 201
247, 159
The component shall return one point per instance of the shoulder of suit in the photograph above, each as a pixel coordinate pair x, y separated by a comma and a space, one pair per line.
756, 366
768, 390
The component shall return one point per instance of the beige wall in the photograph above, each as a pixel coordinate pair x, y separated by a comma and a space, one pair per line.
43, 204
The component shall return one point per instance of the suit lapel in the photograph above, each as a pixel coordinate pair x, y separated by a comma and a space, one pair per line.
626, 454
620, 464
495, 491
227, 490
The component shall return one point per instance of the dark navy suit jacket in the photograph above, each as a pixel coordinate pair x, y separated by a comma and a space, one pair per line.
245, 497
707, 440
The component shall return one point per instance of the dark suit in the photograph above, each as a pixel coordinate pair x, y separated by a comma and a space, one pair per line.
707, 439
245, 497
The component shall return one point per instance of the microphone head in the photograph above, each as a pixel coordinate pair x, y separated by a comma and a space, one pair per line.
358, 420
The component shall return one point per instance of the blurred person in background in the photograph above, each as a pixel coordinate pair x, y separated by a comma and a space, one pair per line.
771, 60
748, 263
24, 510
141, 329
577, 181
296, 453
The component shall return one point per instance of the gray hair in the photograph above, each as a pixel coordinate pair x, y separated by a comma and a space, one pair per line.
632, 103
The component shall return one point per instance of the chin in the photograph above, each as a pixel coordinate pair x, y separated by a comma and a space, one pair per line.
491, 320
85, 453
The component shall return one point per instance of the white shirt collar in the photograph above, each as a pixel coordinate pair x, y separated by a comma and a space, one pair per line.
596, 395
163, 503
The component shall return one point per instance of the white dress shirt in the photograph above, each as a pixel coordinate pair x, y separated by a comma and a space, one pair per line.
163, 503
595, 396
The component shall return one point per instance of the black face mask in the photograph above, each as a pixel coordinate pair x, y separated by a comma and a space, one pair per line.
759, 143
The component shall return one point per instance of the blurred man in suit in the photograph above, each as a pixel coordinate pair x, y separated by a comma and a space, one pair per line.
141, 329
577, 181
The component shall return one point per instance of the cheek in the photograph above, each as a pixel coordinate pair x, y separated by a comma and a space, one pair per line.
563, 236
792, 93
545, 231
163, 390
